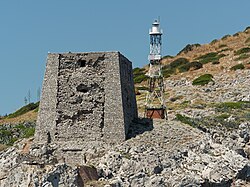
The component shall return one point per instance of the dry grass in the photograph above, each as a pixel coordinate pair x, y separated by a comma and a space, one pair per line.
2, 147
233, 43
29, 116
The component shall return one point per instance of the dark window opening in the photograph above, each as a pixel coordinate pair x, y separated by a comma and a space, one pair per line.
82, 63
82, 88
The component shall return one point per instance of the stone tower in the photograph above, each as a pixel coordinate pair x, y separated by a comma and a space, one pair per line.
87, 98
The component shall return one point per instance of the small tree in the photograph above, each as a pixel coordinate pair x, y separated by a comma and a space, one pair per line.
29, 96
25, 100
38, 93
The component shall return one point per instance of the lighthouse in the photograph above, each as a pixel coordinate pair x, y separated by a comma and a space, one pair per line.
155, 106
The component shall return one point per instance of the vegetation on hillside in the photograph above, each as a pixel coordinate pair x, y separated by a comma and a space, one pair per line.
203, 79
23, 110
139, 75
180, 65
188, 48
242, 51
225, 37
192, 65
238, 66
210, 57
11, 133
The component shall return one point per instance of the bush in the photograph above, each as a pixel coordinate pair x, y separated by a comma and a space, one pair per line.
170, 69
167, 56
233, 105
188, 48
242, 50
185, 119
9, 135
28, 132
225, 37
242, 57
142, 88
214, 41
236, 34
24, 110
226, 49
210, 57
216, 62
238, 66
247, 28
140, 78
167, 71
203, 80
222, 45
192, 65
222, 116
139, 75
138, 71
178, 62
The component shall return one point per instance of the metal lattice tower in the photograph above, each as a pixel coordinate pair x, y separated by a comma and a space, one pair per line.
155, 106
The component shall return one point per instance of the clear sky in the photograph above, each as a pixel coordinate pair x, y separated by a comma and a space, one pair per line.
30, 29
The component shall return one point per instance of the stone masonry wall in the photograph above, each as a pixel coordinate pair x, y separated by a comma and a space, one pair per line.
86, 98
47, 108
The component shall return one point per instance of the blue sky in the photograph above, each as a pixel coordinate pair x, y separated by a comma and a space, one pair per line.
30, 29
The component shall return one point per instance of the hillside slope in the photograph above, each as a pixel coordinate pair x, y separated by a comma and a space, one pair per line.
18, 125
219, 55
215, 57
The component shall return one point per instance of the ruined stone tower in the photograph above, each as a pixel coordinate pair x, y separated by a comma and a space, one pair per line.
86, 98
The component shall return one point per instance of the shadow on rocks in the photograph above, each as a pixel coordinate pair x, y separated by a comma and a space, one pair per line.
139, 126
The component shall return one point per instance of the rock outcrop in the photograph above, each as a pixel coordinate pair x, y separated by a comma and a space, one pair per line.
169, 154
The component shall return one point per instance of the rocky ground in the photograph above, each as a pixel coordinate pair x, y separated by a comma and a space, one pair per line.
165, 154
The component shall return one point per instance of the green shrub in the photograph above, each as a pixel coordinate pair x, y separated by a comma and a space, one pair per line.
203, 79
188, 48
28, 132
222, 45
222, 116
216, 62
138, 71
170, 69
242, 57
178, 62
238, 66
226, 36
232, 105
142, 88
167, 56
12, 141
167, 70
186, 67
139, 75
140, 78
15, 132
236, 34
247, 28
226, 49
185, 119
214, 41
242, 50
36, 110
210, 57
24, 110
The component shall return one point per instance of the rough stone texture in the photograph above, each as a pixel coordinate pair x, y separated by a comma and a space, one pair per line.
87, 99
